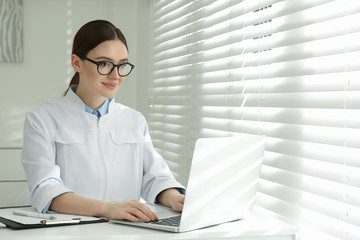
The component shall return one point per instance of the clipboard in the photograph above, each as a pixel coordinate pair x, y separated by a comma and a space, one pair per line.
8, 218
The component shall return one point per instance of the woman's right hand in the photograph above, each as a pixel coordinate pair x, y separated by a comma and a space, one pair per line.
132, 211
71, 203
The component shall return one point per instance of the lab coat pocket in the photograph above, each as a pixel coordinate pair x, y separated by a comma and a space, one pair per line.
70, 150
126, 136
128, 145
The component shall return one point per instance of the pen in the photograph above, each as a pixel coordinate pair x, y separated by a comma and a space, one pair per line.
33, 214
73, 221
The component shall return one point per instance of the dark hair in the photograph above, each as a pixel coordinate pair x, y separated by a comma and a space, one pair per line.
89, 36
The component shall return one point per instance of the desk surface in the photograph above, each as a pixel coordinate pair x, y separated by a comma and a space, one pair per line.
254, 228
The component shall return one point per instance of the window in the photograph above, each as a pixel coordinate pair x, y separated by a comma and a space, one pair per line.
289, 70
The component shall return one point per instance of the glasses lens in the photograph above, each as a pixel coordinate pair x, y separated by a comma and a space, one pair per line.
105, 67
124, 69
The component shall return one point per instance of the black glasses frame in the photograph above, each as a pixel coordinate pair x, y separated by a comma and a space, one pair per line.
113, 66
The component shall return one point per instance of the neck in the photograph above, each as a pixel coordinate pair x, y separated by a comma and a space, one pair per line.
92, 100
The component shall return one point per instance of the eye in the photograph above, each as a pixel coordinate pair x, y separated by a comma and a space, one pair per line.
123, 65
105, 64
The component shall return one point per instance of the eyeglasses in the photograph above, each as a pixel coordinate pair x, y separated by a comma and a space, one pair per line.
106, 67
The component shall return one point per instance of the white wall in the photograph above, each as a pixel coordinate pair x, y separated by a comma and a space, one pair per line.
144, 45
41, 76
46, 68
49, 28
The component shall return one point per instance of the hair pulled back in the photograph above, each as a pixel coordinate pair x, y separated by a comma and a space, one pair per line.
89, 36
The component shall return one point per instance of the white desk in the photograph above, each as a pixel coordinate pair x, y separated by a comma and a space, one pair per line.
254, 228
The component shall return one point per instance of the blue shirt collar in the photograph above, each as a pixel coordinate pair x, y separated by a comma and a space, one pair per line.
103, 109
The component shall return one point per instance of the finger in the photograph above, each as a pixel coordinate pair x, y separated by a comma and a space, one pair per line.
147, 211
141, 215
127, 216
179, 204
182, 199
132, 211
178, 207
141, 211
154, 217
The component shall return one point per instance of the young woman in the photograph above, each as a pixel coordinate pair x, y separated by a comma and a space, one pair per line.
86, 154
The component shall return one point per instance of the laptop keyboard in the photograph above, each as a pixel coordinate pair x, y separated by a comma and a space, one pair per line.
170, 221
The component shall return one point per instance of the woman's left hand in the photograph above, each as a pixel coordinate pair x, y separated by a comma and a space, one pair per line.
172, 198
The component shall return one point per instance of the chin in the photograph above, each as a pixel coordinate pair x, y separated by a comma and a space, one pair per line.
110, 94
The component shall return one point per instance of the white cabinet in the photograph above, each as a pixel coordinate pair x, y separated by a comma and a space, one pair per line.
13, 185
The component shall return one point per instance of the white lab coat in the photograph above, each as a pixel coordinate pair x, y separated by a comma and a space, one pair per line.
111, 158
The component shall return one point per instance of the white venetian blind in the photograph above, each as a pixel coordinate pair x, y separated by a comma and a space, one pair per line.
288, 69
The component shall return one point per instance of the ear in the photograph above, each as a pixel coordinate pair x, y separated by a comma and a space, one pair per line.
76, 62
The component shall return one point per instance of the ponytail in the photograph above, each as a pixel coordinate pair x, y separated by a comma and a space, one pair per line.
74, 81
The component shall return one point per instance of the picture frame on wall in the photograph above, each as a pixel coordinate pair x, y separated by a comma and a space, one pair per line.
11, 31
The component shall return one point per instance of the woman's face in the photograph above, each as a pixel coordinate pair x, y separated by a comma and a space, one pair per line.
93, 87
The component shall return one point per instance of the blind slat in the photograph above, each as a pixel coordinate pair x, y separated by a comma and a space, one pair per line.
289, 70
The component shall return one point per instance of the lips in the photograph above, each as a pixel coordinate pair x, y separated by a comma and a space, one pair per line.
109, 85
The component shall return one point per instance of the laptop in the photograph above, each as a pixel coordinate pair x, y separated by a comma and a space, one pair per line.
222, 183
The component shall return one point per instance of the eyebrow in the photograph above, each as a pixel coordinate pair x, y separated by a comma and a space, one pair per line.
111, 60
